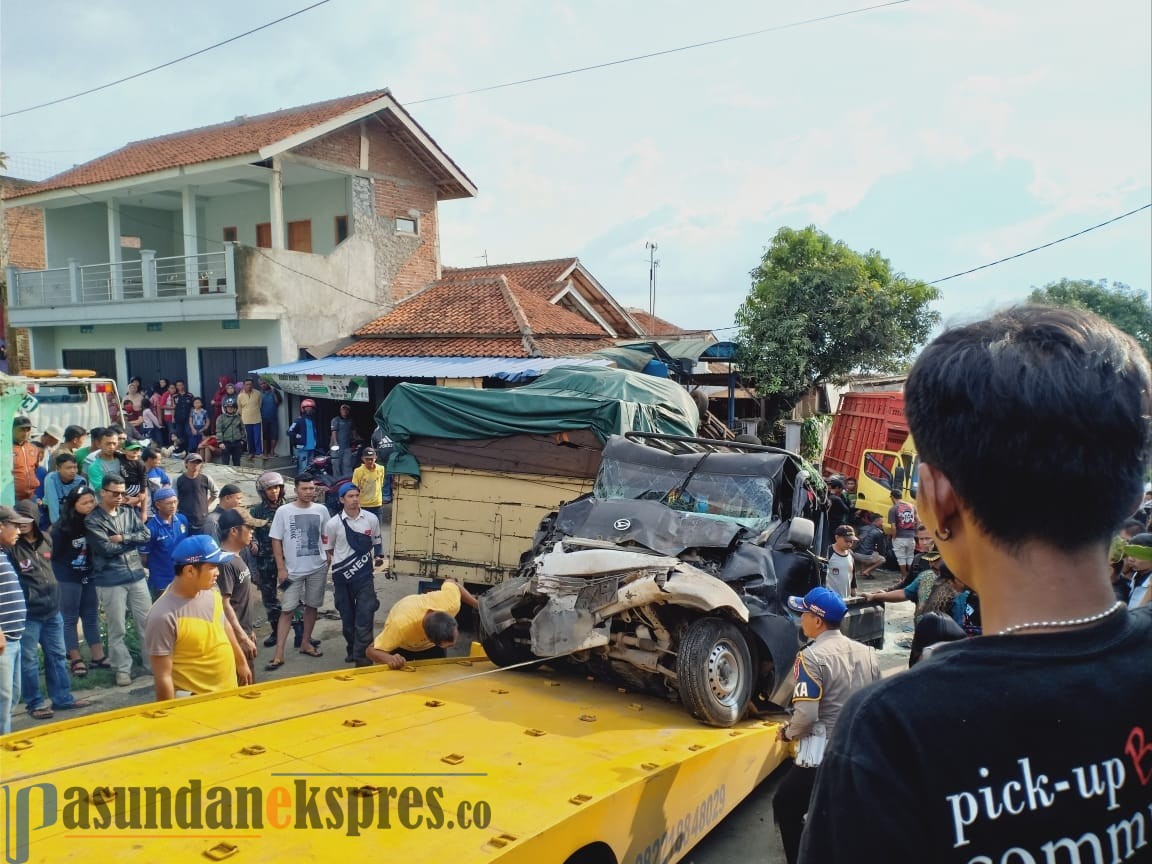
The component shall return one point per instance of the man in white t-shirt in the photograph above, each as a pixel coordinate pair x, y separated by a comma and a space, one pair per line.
841, 565
353, 545
298, 542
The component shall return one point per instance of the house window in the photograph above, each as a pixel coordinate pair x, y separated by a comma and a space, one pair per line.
230, 235
264, 235
341, 229
406, 225
129, 242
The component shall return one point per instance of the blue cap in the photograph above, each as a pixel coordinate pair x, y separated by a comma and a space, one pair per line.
824, 603
345, 488
199, 549
165, 492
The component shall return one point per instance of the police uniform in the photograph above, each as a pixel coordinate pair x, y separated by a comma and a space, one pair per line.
828, 670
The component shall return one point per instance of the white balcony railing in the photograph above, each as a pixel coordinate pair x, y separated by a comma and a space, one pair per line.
208, 274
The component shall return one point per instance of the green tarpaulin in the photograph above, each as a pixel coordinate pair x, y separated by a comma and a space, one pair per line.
606, 401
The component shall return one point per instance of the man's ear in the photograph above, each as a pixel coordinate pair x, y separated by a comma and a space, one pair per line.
936, 503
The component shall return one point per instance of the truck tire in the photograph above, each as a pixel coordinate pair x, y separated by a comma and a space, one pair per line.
715, 671
502, 651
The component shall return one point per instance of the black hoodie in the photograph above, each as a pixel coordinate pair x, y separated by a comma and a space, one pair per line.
32, 559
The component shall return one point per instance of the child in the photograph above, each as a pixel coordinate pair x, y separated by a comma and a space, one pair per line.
135, 474
60, 482
151, 427
197, 425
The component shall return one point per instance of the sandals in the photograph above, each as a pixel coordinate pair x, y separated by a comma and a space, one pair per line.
78, 667
273, 665
312, 653
42, 713
102, 663
74, 704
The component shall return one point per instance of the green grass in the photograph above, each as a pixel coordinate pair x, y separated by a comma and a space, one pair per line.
97, 678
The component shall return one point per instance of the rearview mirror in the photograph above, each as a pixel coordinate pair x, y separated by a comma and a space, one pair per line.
801, 532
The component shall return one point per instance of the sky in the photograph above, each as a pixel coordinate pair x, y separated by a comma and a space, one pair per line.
943, 133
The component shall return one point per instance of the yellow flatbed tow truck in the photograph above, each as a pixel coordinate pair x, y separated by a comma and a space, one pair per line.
453, 757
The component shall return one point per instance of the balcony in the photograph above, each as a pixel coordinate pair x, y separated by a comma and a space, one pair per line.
182, 288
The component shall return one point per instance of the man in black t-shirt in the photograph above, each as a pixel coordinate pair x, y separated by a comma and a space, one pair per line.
195, 491
1032, 742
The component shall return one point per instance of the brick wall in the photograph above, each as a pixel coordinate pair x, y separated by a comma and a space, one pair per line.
401, 184
22, 240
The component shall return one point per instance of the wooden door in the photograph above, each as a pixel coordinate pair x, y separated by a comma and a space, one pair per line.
264, 235
300, 236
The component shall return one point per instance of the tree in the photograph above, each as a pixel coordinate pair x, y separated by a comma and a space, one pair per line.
818, 311
1128, 309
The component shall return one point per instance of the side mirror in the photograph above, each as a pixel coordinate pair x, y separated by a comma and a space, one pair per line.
801, 532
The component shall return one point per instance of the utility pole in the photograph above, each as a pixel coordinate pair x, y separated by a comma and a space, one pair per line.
653, 265
485, 257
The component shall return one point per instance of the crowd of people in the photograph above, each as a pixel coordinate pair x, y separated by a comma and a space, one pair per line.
102, 534
239, 421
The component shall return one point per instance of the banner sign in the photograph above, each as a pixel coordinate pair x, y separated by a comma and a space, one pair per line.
9, 403
343, 388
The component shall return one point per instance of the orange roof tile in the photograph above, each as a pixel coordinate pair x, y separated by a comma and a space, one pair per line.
654, 325
488, 306
443, 346
539, 277
238, 137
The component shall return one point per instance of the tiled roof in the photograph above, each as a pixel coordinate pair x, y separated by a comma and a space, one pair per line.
539, 277
468, 346
205, 144
654, 325
490, 306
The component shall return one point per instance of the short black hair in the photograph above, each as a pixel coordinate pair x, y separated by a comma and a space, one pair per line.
306, 477
97, 433
114, 429
148, 453
111, 480
74, 431
440, 627
1133, 525
835, 483
64, 459
1042, 399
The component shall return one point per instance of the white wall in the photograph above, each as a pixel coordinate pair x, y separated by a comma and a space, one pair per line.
82, 233
320, 202
49, 342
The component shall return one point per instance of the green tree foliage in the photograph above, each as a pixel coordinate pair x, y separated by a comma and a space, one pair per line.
819, 310
1129, 310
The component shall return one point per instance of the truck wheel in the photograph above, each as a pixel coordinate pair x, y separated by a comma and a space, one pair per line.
714, 667
503, 651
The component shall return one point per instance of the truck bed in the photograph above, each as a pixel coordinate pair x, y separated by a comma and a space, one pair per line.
553, 764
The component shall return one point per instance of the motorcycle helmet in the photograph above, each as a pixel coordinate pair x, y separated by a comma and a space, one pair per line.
307, 403
229, 402
267, 480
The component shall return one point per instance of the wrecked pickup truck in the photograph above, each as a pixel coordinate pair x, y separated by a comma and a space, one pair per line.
672, 575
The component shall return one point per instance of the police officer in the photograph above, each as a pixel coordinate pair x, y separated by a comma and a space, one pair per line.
828, 670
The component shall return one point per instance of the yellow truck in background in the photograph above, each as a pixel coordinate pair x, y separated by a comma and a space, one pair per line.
881, 471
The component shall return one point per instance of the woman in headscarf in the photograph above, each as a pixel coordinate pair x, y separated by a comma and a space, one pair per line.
218, 399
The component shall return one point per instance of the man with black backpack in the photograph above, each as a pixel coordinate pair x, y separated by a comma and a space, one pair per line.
902, 518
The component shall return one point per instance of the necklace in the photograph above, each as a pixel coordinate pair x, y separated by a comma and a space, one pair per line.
1067, 622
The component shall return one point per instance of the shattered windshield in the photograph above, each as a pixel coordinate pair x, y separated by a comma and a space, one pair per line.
747, 499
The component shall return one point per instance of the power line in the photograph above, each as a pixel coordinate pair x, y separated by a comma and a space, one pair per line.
1038, 248
661, 53
165, 65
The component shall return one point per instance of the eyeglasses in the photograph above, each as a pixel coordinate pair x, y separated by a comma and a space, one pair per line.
117, 494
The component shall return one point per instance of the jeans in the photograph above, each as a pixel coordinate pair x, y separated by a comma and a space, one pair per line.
255, 444
9, 682
49, 633
78, 602
193, 442
356, 602
117, 601
303, 459
342, 463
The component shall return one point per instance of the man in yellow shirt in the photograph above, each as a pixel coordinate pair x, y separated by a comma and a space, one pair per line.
248, 402
187, 635
371, 479
420, 626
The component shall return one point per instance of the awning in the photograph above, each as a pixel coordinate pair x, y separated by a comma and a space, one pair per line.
346, 378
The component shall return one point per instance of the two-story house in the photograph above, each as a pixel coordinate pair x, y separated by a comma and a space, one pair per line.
230, 247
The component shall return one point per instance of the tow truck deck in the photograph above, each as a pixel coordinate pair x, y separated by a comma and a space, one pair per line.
473, 762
